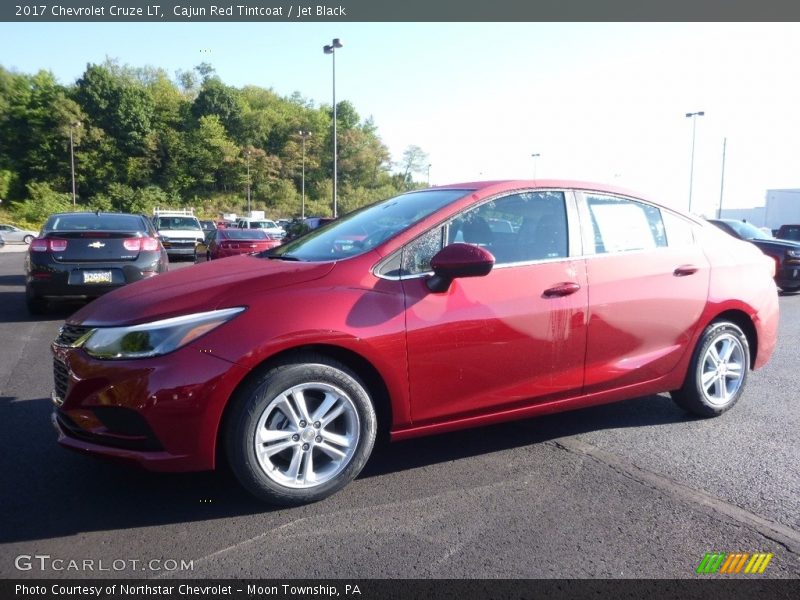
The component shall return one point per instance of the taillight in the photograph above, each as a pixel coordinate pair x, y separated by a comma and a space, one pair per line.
39, 246
48, 245
149, 244
132, 244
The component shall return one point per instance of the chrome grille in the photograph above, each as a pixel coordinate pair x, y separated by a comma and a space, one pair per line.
69, 334
60, 380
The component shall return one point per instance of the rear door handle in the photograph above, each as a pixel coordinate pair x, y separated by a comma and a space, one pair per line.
685, 270
562, 289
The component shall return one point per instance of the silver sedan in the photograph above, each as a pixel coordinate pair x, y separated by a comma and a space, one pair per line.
15, 235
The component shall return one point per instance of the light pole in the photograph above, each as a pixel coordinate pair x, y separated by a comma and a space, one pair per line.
722, 177
249, 212
693, 116
72, 160
332, 50
303, 135
535, 156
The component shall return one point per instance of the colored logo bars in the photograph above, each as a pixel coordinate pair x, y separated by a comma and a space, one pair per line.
734, 562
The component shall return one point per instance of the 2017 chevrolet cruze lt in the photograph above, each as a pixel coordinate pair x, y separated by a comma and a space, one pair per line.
416, 315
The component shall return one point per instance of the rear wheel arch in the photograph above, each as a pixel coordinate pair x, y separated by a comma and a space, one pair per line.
745, 323
369, 375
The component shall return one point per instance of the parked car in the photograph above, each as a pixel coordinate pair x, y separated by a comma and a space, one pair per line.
180, 233
207, 225
270, 227
788, 232
222, 243
87, 254
288, 363
785, 253
14, 235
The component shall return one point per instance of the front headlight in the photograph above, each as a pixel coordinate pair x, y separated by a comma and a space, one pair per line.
793, 253
156, 338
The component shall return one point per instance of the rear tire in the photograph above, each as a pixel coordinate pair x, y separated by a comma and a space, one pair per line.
300, 431
27, 239
717, 372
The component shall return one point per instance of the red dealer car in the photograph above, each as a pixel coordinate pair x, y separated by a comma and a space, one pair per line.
286, 364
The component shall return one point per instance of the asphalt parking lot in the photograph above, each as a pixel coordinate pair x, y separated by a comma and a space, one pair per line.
634, 489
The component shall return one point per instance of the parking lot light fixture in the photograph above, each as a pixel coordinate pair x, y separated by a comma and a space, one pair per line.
72, 126
303, 135
249, 212
693, 116
535, 155
331, 49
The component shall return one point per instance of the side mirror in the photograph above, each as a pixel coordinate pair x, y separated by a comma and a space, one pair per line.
458, 260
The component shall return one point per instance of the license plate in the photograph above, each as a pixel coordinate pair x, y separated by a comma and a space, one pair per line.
97, 277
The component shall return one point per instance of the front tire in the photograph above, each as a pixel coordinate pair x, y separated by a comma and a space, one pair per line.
27, 239
301, 431
717, 372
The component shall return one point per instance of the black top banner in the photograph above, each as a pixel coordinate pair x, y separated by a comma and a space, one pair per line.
131, 11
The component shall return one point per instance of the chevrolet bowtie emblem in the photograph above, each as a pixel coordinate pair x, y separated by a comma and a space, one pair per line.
96, 245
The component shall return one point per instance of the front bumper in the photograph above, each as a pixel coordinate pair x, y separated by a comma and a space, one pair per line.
161, 413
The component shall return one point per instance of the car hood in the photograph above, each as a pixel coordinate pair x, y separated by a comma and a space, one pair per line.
207, 286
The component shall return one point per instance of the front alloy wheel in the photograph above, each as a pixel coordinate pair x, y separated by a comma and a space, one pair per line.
718, 371
301, 431
307, 435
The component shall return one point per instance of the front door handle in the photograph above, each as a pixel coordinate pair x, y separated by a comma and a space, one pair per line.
561, 289
685, 270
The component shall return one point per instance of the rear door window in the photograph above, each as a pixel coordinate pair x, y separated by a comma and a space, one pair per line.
624, 225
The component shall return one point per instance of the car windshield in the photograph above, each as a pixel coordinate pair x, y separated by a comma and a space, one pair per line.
366, 228
790, 233
244, 234
748, 231
177, 223
94, 222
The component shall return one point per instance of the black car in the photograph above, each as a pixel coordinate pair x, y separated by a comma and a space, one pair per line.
86, 254
785, 253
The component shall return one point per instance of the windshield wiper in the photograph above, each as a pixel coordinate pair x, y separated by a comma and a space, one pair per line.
279, 256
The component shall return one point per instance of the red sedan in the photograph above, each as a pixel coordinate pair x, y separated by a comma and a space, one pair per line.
287, 364
225, 242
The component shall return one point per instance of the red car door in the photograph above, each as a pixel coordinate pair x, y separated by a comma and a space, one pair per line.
515, 336
649, 285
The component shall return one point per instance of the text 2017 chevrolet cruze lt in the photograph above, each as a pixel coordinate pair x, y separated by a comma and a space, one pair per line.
416, 315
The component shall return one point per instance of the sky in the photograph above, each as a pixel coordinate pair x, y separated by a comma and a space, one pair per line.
602, 102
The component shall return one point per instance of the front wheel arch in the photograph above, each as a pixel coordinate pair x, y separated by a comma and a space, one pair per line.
369, 374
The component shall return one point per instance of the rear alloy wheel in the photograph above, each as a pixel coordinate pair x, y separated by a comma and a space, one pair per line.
718, 371
27, 239
301, 431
